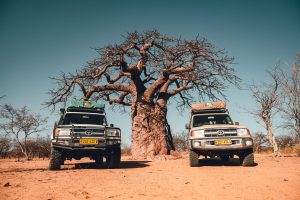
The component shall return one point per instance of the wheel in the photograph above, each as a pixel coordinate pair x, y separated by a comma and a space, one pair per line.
193, 158
99, 160
56, 159
247, 159
224, 158
114, 158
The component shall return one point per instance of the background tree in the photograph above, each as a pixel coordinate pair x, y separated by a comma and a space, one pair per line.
290, 88
181, 141
5, 146
284, 141
259, 139
20, 124
39, 147
266, 97
146, 71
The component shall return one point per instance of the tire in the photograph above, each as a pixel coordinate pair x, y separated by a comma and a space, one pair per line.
99, 160
193, 158
56, 159
247, 159
113, 160
224, 158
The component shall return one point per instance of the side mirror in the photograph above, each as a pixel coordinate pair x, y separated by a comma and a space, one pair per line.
62, 110
112, 125
187, 126
237, 123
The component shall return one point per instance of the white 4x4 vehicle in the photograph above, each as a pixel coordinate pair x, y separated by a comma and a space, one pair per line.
213, 133
82, 131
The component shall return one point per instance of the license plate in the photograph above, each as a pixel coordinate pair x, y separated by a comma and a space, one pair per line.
88, 141
222, 142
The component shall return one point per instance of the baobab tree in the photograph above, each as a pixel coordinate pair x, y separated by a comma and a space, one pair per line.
20, 124
267, 99
145, 72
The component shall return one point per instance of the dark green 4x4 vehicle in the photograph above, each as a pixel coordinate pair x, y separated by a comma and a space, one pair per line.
83, 131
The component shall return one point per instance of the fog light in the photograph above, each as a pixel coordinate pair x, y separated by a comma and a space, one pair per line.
196, 144
248, 143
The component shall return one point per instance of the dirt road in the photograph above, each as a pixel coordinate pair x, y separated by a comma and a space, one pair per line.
271, 178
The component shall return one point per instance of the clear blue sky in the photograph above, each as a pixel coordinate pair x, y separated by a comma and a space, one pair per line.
40, 38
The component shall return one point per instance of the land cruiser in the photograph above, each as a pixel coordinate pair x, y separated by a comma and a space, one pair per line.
82, 131
213, 133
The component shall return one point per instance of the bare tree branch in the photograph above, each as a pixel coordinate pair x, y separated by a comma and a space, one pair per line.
267, 99
21, 123
289, 83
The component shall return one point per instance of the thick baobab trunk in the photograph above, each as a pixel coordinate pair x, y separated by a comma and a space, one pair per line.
150, 131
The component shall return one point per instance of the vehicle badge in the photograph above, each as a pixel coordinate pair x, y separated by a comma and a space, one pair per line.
220, 132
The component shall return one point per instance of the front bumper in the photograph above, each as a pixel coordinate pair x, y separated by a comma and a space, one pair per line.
72, 143
209, 144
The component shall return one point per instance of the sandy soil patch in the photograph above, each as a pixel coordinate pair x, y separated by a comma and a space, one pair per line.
271, 178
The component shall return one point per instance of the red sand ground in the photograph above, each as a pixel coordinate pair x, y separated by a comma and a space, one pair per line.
271, 178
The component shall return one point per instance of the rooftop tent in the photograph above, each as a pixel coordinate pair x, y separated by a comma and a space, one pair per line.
81, 104
206, 107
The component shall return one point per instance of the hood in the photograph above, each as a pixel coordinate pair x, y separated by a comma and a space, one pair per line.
82, 125
218, 126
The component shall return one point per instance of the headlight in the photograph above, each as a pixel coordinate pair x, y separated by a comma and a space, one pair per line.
249, 142
243, 132
113, 132
62, 132
196, 144
198, 133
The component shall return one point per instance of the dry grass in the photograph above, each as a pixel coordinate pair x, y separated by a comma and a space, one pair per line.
287, 150
176, 154
283, 150
126, 150
297, 149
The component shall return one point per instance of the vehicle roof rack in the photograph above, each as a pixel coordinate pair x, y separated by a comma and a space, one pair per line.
209, 107
223, 110
90, 110
75, 105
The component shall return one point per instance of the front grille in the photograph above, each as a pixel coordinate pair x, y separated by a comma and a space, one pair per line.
220, 132
88, 131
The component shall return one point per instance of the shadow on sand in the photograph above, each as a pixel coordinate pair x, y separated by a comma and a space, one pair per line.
124, 165
218, 162
86, 165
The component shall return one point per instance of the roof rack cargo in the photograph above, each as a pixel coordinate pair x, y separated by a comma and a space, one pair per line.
209, 107
210, 111
84, 106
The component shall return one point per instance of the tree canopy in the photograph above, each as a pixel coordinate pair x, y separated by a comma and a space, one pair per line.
152, 66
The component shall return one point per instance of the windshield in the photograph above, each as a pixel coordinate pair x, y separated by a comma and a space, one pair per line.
200, 120
72, 118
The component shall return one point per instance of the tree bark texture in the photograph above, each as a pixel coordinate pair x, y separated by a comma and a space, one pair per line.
272, 141
271, 136
150, 132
